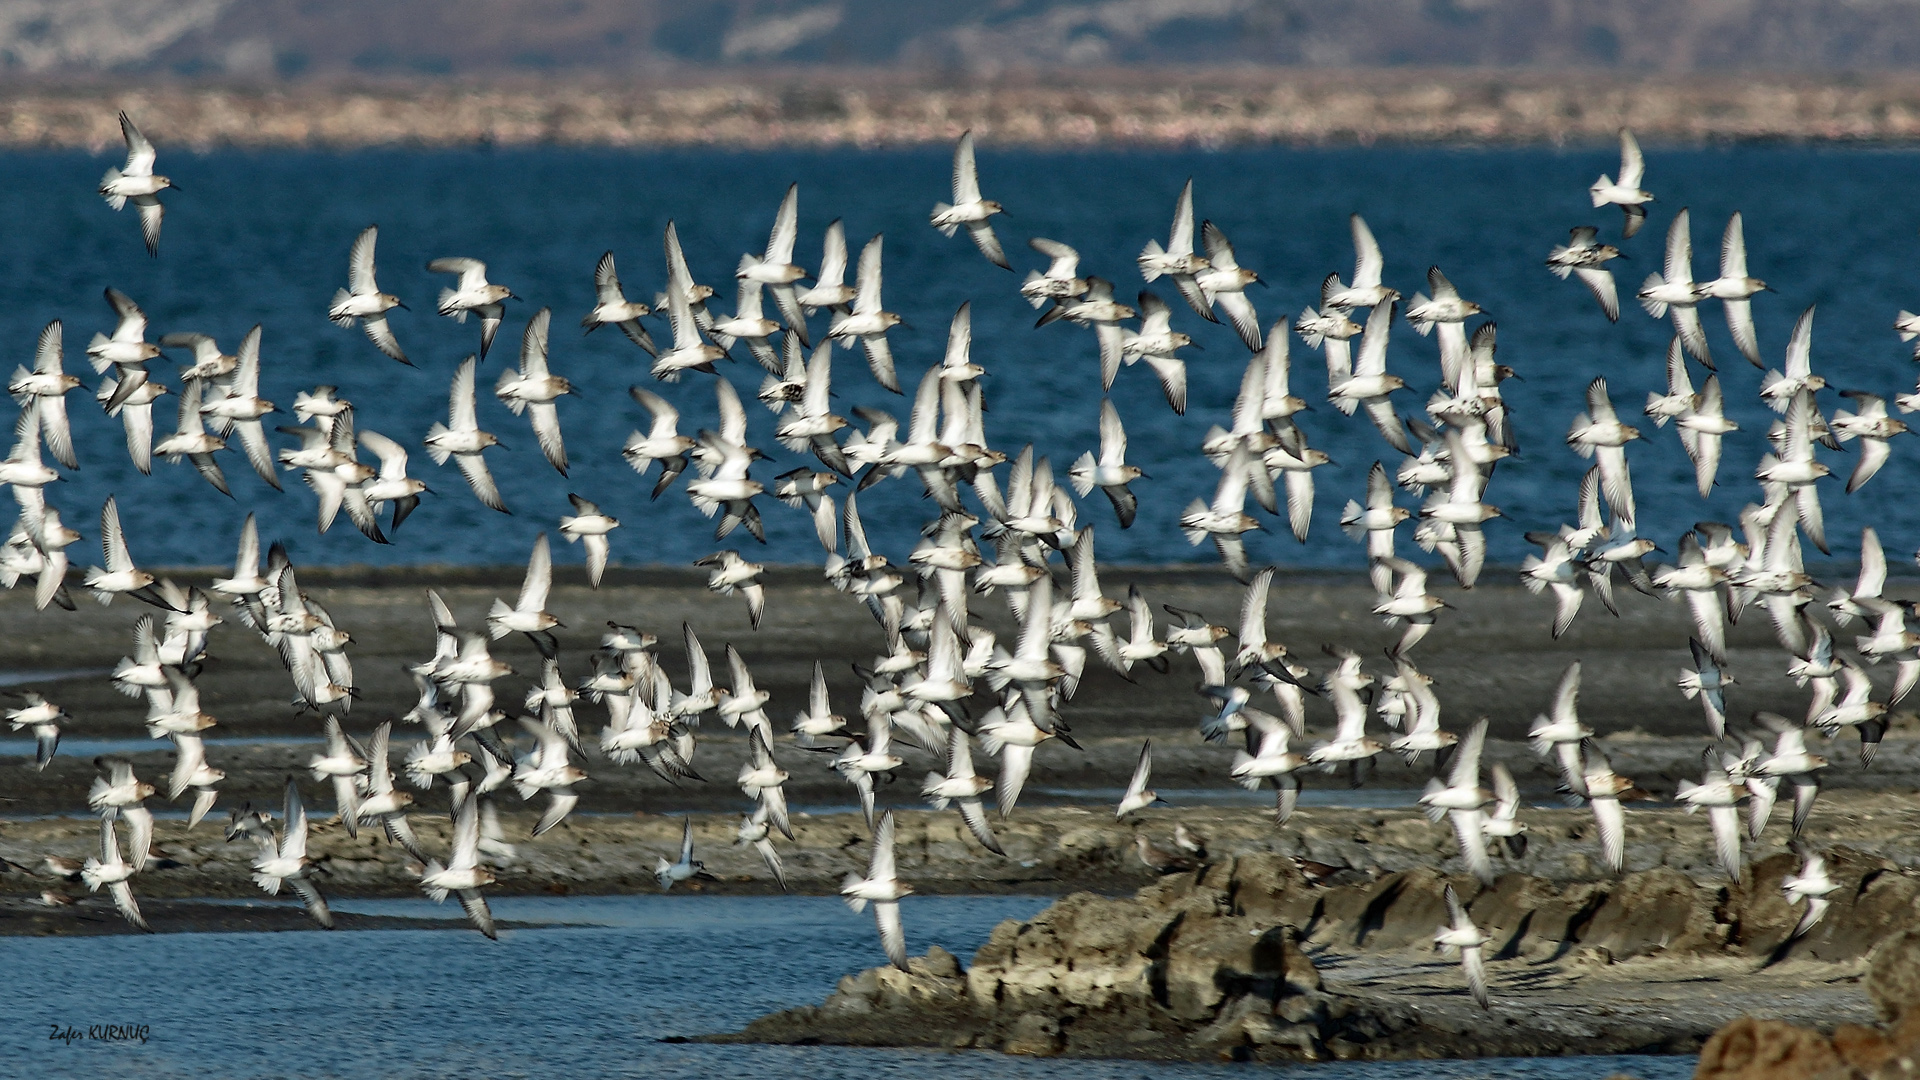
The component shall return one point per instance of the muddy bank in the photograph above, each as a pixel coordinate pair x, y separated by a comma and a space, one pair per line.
1050, 850
1245, 959
95, 917
1490, 655
1153, 109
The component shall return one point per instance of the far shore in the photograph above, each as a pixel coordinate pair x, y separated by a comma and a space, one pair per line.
1148, 110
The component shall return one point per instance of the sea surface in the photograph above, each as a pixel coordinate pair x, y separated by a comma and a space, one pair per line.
263, 237
590, 989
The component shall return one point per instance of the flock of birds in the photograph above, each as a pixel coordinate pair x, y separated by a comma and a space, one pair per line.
1004, 538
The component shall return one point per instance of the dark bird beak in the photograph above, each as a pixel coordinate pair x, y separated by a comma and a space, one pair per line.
402, 305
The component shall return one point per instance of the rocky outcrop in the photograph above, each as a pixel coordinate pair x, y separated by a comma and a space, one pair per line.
1766, 1049
1221, 963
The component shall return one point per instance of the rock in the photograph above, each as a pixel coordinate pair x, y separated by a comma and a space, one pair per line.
1654, 910
1033, 1034
1893, 977
1214, 963
1753, 1049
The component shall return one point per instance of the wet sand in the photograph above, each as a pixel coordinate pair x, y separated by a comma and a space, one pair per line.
1489, 656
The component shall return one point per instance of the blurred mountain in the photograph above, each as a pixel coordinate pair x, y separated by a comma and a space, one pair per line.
291, 39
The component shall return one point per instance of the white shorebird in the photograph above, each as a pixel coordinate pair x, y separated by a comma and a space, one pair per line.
589, 525
126, 350
969, 210
1108, 471
113, 872
344, 765
528, 614
612, 308
136, 181
686, 867
1674, 292
1177, 260
286, 862
533, 389
1366, 290
391, 484
46, 387
960, 786
118, 793
1224, 281
233, 406
1625, 192
461, 439
830, 289
1873, 427
1461, 934
756, 831
1559, 732
119, 576
1504, 821
473, 294
1138, 795
191, 441
662, 442
866, 322
42, 718
1720, 795
1155, 343
1585, 257
1599, 434
462, 872
363, 302
1734, 288
1707, 681
1811, 884
882, 888
775, 268
550, 769
1604, 791
1061, 281
1460, 797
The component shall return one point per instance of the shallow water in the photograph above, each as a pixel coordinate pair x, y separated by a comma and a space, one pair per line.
263, 237
587, 993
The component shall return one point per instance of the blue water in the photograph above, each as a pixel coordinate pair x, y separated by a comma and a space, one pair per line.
263, 237
588, 993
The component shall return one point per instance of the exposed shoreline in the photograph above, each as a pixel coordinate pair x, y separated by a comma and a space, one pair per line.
1146, 110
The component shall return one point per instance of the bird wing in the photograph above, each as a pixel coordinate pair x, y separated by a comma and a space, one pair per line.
1469, 830
786, 228
1733, 249
360, 262
880, 866
1678, 267
966, 178
1015, 764
474, 468
893, 937
539, 580
113, 541
1180, 242
545, 419
1142, 772
1633, 167
140, 153
1800, 346
1601, 283
1368, 263
866, 299
461, 413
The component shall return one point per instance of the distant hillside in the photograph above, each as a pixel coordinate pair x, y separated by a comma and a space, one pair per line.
266, 40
